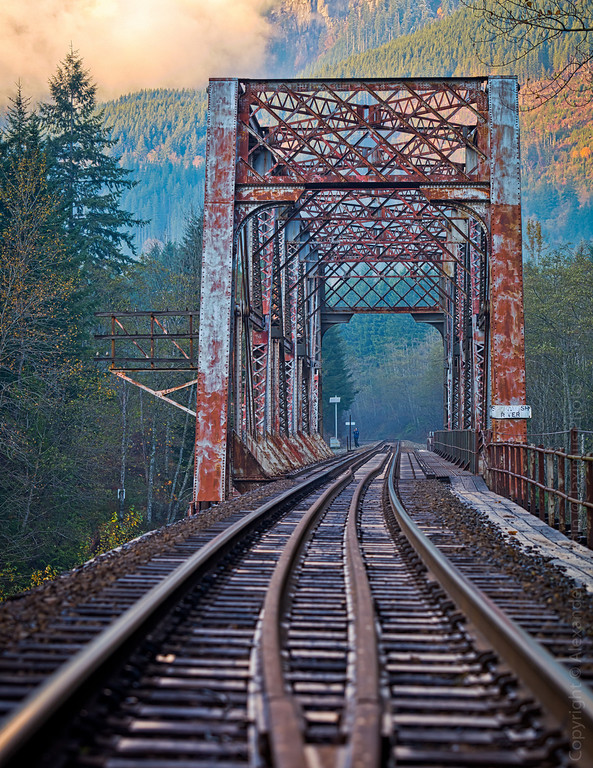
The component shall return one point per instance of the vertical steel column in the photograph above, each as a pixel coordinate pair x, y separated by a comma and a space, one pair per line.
302, 353
315, 289
460, 345
469, 363
291, 281
449, 345
259, 338
217, 295
478, 279
507, 347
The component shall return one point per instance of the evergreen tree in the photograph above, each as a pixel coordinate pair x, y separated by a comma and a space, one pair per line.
559, 337
19, 139
87, 176
36, 273
168, 274
38, 334
190, 253
37, 276
22, 134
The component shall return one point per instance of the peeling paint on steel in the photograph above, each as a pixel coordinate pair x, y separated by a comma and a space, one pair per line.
507, 350
303, 193
216, 295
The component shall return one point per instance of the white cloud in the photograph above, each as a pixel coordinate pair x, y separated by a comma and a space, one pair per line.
131, 44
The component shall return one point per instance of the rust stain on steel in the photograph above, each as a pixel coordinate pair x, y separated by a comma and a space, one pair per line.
267, 455
318, 446
320, 197
506, 271
304, 451
245, 465
275, 455
269, 194
471, 193
216, 293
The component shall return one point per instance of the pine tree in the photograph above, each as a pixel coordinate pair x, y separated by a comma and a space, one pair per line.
22, 133
190, 252
87, 176
38, 285
37, 274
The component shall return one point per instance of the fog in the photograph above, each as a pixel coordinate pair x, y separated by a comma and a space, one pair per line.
131, 44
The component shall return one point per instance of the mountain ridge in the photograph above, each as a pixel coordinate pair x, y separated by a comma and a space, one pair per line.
161, 134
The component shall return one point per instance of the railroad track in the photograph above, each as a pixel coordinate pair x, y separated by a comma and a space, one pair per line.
570, 646
310, 634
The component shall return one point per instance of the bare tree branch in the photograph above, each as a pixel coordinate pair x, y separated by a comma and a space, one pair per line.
527, 25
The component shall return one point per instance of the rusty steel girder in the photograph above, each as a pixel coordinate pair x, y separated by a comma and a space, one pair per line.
326, 198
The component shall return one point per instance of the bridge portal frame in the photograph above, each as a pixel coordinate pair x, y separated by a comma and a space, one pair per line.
450, 145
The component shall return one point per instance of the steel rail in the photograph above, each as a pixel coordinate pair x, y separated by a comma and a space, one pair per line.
339, 460
562, 695
365, 714
45, 704
283, 718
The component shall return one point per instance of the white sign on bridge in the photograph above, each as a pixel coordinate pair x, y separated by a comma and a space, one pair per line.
510, 411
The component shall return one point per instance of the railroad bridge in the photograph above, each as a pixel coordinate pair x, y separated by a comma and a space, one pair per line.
326, 198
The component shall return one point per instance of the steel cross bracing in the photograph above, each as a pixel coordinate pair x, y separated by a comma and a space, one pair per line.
329, 197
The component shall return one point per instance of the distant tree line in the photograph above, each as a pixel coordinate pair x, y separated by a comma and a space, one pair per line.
388, 370
161, 136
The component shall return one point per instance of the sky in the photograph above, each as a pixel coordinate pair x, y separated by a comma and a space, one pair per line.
131, 44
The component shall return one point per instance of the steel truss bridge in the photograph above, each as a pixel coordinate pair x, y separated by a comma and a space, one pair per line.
326, 198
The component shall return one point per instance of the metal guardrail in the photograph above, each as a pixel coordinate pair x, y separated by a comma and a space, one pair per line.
459, 446
554, 485
159, 340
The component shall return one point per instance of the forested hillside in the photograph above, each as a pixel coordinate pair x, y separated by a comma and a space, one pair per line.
447, 47
332, 30
556, 138
557, 170
161, 134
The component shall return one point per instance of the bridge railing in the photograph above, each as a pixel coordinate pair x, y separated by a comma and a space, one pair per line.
555, 485
157, 340
460, 446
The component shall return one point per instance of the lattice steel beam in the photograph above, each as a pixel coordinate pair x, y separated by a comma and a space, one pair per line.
343, 196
